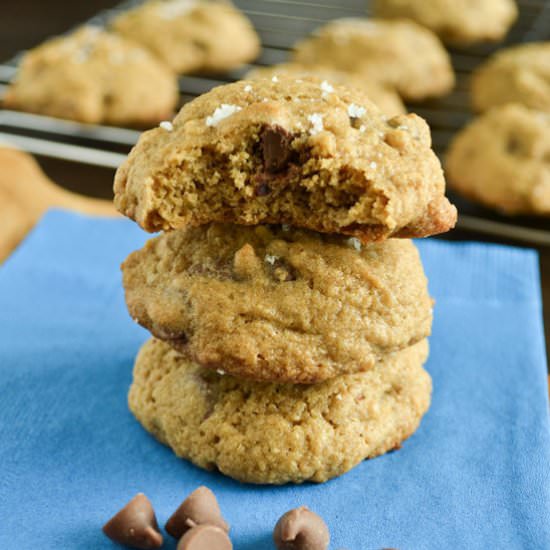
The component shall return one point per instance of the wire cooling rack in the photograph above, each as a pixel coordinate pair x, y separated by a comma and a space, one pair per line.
280, 23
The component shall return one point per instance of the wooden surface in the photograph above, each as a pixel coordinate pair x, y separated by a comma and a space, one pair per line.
24, 23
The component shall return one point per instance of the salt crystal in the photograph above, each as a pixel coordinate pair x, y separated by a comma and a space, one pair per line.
327, 88
274, 79
373, 165
355, 111
270, 259
166, 125
223, 111
174, 8
317, 123
248, 88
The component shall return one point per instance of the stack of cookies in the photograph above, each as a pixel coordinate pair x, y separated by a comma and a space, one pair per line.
289, 309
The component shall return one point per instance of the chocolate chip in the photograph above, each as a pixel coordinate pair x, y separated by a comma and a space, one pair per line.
276, 148
135, 525
205, 537
200, 507
301, 529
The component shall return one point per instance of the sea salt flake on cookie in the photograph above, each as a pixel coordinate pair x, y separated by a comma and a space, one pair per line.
223, 111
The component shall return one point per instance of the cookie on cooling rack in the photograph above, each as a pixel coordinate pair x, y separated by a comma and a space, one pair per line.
398, 53
278, 304
501, 160
520, 74
456, 22
278, 433
383, 96
290, 151
192, 35
95, 77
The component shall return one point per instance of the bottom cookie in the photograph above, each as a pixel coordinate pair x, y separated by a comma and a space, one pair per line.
278, 433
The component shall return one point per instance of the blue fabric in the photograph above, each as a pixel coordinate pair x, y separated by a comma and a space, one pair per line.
475, 475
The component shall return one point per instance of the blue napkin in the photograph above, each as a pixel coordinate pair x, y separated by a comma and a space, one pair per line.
475, 475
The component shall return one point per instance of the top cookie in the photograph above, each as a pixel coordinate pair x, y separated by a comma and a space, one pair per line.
94, 76
398, 53
299, 152
385, 97
192, 35
514, 75
456, 22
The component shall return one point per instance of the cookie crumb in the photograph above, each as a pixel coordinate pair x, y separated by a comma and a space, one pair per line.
317, 123
166, 125
223, 111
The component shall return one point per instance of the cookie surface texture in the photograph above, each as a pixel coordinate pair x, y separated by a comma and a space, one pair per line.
398, 53
514, 75
384, 97
278, 304
192, 35
287, 152
456, 22
95, 77
501, 160
273, 433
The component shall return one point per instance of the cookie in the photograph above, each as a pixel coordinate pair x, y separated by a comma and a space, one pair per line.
514, 75
291, 151
278, 433
501, 160
399, 53
26, 194
192, 35
95, 77
276, 303
456, 22
386, 98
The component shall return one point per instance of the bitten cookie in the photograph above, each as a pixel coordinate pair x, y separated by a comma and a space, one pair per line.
456, 22
297, 152
386, 98
192, 35
515, 75
276, 433
96, 77
278, 304
397, 53
501, 160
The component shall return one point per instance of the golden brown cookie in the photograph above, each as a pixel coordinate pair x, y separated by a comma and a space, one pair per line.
397, 53
25, 195
456, 22
192, 35
278, 433
501, 160
386, 98
96, 77
514, 75
278, 304
291, 151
